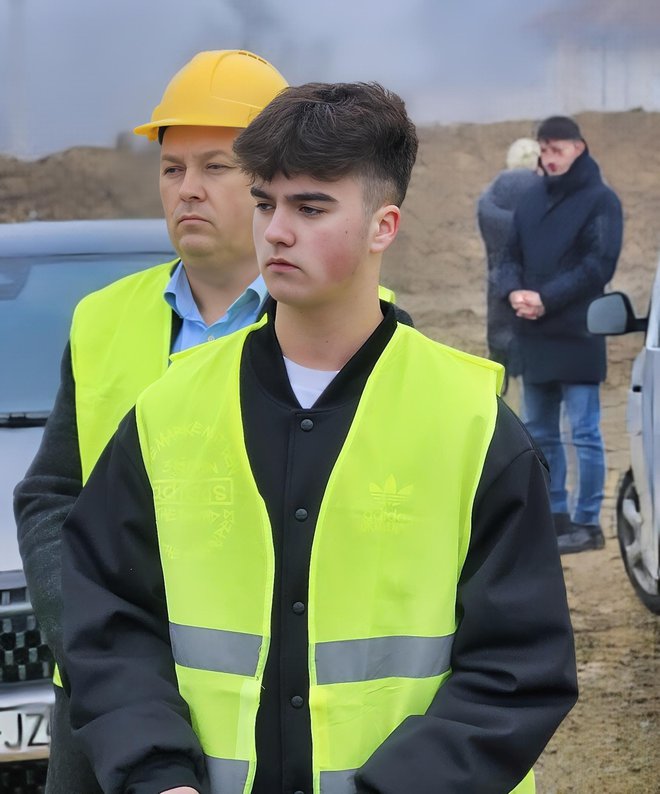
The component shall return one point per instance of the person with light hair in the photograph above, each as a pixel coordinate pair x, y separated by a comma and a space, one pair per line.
523, 153
495, 219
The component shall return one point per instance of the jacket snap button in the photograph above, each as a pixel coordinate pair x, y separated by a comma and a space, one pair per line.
301, 514
298, 607
297, 702
306, 425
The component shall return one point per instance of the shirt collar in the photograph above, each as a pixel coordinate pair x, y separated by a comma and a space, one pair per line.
179, 297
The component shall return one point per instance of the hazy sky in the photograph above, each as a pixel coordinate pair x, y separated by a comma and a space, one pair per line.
79, 71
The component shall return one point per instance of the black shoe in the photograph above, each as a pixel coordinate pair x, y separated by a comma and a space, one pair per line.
562, 522
582, 537
595, 532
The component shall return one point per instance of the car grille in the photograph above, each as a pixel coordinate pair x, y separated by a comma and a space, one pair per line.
28, 777
24, 656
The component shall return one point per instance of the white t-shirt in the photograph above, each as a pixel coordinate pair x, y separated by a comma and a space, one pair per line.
307, 384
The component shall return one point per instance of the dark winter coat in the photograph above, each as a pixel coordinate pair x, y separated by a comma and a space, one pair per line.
565, 244
495, 218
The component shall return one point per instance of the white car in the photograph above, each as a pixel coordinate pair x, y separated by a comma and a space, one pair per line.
638, 500
45, 269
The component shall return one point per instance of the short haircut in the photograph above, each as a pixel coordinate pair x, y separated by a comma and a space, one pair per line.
559, 128
331, 130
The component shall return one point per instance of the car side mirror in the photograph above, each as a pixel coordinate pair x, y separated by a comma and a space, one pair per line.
613, 314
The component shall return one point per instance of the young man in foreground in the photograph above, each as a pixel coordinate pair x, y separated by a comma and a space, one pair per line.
319, 556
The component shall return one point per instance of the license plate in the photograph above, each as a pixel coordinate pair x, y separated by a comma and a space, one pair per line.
24, 730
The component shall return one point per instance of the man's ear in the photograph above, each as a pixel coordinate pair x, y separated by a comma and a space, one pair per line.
581, 146
385, 227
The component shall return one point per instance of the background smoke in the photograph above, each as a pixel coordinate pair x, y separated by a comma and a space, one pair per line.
79, 72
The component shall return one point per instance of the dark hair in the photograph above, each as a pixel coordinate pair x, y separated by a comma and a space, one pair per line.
331, 130
558, 128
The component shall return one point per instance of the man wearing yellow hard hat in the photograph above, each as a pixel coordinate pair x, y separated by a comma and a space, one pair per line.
122, 336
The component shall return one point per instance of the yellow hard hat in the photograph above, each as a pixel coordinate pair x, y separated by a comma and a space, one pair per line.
220, 88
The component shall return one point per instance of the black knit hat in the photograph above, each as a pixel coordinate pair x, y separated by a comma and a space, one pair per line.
558, 128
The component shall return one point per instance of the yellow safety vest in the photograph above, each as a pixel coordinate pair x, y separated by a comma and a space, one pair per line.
120, 344
392, 536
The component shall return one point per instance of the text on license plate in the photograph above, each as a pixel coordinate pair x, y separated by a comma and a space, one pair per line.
24, 729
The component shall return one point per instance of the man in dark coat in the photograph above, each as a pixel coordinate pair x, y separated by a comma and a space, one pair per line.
563, 250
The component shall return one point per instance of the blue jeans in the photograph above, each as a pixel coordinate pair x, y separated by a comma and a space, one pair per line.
543, 403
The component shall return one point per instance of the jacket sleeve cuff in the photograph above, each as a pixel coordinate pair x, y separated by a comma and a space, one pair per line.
162, 772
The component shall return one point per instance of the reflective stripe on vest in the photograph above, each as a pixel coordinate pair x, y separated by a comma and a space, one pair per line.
212, 649
227, 775
381, 657
336, 662
231, 777
392, 536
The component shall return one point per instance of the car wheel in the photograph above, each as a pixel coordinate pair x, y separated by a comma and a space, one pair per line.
628, 521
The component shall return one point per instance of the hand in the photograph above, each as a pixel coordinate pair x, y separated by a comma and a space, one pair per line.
527, 304
180, 790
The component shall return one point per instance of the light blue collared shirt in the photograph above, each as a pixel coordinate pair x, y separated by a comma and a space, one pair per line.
243, 311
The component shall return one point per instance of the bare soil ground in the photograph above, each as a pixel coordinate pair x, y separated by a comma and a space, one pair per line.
609, 743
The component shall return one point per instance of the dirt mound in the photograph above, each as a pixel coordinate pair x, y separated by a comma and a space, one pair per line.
609, 742
80, 183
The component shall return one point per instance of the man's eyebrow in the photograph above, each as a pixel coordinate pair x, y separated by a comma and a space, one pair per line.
172, 158
310, 197
259, 192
